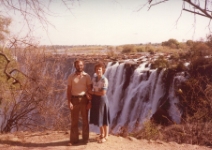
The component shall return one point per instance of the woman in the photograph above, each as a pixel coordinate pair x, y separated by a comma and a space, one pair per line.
99, 113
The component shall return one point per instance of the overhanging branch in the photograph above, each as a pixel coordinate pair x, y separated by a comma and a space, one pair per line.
195, 12
156, 3
204, 11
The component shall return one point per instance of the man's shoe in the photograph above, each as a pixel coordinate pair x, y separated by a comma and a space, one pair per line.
72, 143
85, 142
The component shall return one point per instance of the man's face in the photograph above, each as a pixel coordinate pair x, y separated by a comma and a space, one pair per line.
79, 66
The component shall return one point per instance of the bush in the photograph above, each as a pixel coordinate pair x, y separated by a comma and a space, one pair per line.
140, 49
149, 131
195, 133
180, 67
128, 49
111, 51
160, 63
172, 43
195, 98
209, 40
200, 49
189, 42
189, 133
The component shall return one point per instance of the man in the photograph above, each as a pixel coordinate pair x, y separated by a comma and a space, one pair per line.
79, 83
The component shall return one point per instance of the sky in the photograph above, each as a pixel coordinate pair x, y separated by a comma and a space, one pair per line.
115, 22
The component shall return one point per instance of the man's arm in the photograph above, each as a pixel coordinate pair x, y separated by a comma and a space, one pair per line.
69, 97
89, 88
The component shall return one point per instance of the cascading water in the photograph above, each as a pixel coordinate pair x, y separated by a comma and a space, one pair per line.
136, 101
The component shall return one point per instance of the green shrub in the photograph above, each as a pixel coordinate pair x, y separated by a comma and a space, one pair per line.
128, 49
172, 43
149, 131
189, 42
196, 91
180, 67
200, 49
111, 53
209, 40
160, 63
189, 133
175, 56
140, 49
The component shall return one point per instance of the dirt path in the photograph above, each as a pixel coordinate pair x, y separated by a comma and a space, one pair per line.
55, 140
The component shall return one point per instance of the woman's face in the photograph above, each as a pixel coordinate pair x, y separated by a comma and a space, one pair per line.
99, 71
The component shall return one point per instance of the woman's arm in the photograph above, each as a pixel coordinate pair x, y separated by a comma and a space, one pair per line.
99, 93
103, 90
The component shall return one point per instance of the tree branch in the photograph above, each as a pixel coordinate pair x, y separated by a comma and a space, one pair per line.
156, 3
204, 11
9, 76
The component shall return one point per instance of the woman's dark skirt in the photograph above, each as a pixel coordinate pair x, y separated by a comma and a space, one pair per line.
99, 112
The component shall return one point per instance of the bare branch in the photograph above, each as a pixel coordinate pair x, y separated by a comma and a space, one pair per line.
29, 10
9, 75
180, 14
6, 58
204, 11
195, 4
196, 13
156, 3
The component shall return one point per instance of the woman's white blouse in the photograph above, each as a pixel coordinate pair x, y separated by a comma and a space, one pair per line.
100, 85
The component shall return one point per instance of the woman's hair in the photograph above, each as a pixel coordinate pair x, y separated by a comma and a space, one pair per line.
102, 65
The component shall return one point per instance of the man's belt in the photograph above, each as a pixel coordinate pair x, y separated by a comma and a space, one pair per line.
77, 96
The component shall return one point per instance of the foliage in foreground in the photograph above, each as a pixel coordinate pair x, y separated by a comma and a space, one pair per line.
198, 133
195, 98
31, 103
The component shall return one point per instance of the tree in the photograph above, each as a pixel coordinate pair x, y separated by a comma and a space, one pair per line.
197, 7
4, 23
32, 100
29, 87
36, 9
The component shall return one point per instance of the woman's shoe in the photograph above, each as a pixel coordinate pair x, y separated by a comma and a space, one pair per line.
99, 137
102, 140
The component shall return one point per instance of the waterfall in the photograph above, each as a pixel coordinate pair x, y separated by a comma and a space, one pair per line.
174, 112
136, 100
136, 92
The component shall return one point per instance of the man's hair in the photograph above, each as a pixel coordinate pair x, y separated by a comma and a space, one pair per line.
77, 61
102, 65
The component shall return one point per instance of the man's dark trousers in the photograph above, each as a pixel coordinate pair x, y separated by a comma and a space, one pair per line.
79, 107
